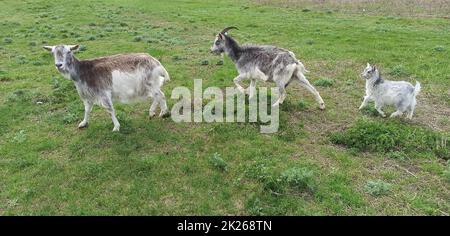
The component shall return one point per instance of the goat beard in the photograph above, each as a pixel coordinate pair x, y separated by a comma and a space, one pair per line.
63, 70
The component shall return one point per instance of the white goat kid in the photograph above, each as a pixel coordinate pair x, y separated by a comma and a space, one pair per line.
383, 92
124, 77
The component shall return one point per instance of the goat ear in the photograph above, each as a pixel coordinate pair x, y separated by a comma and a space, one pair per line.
74, 48
368, 65
374, 68
48, 48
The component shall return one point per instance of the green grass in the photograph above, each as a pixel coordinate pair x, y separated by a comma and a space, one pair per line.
392, 136
157, 167
324, 82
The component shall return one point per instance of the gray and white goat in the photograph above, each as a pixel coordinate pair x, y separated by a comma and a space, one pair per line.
265, 63
383, 92
124, 77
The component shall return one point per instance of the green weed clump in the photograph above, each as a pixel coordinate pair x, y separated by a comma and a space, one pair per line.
82, 48
21, 60
377, 188
399, 71
298, 178
392, 136
370, 111
264, 175
62, 91
20, 137
397, 155
7, 40
439, 48
254, 206
70, 118
138, 38
19, 95
218, 162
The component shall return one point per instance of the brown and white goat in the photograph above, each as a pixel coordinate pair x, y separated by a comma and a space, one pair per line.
124, 77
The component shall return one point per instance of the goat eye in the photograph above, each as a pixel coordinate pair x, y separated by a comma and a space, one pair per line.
217, 42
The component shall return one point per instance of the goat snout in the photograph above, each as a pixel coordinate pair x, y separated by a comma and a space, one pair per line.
215, 52
58, 65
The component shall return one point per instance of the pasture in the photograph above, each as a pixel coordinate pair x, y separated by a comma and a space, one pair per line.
340, 161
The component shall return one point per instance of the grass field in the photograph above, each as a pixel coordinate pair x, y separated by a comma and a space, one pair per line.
335, 162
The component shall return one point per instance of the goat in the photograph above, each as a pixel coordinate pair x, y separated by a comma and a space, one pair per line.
384, 92
266, 63
125, 77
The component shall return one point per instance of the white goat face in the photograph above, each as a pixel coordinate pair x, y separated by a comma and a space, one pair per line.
219, 44
63, 55
369, 71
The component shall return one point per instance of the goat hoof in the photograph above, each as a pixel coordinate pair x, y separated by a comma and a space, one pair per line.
164, 114
322, 106
151, 114
116, 129
82, 125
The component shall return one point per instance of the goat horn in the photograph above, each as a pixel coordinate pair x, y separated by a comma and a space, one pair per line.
228, 28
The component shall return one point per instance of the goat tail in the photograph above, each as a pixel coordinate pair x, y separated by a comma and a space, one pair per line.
417, 88
164, 76
302, 67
